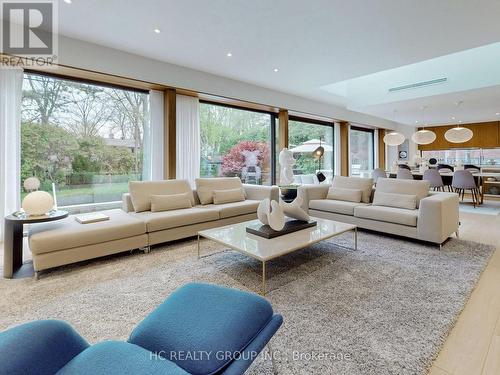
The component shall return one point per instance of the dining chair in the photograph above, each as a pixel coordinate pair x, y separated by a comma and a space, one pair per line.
435, 179
404, 174
378, 173
464, 180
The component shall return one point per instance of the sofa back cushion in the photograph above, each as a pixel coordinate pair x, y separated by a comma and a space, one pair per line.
170, 202
363, 184
229, 196
409, 187
205, 187
141, 191
406, 201
347, 195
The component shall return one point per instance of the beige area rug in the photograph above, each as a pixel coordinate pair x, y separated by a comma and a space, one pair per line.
384, 309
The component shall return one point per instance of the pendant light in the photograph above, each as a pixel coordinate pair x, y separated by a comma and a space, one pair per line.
423, 136
394, 138
458, 134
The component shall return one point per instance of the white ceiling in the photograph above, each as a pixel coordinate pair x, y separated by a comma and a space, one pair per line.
313, 43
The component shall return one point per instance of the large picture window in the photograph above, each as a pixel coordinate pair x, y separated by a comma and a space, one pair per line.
84, 139
236, 142
361, 151
304, 137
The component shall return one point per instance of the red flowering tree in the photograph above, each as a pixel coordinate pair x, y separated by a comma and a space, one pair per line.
234, 161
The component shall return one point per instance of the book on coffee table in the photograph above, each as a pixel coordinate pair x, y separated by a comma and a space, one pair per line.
91, 218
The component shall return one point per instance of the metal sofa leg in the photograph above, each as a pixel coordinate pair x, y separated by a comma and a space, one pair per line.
145, 249
37, 275
457, 234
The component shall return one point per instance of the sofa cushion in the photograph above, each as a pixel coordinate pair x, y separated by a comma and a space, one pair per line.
406, 201
410, 187
335, 206
341, 194
388, 214
68, 233
205, 187
170, 202
363, 184
237, 208
177, 218
117, 357
229, 195
204, 318
39, 347
141, 191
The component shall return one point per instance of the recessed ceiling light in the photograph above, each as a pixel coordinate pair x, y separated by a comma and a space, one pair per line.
453, 117
67, 1
229, 54
416, 121
157, 30
275, 70
498, 113
459, 121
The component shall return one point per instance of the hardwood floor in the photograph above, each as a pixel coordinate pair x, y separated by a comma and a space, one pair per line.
473, 346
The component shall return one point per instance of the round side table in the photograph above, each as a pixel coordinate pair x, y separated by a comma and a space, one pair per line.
13, 241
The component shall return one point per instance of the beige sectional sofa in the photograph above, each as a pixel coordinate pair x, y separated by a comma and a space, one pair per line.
400, 207
137, 226
171, 225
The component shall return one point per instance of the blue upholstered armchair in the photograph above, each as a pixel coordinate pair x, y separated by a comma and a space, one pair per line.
199, 329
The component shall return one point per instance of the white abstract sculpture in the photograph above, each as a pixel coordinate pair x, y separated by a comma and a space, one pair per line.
271, 213
286, 163
294, 209
38, 203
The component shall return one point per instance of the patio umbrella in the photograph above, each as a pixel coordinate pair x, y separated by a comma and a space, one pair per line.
311, 146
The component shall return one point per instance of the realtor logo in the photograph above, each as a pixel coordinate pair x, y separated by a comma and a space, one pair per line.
29, 28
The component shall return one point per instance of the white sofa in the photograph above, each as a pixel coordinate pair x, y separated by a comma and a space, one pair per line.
180, 223
434, 218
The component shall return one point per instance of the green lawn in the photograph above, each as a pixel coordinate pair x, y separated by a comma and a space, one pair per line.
97, 189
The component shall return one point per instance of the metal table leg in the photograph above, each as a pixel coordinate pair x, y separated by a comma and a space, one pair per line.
198, 246
263, 278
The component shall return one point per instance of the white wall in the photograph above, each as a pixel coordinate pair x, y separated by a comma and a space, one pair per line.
79, 54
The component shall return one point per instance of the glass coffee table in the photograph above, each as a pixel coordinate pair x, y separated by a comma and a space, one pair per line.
236, 238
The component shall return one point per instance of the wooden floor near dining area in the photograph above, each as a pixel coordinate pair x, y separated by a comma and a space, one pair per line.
473, 346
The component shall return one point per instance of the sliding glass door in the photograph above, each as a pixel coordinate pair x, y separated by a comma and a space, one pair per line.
361, 151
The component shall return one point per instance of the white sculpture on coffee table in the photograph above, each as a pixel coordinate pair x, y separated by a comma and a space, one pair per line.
286, 163
273, 213
294, 209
